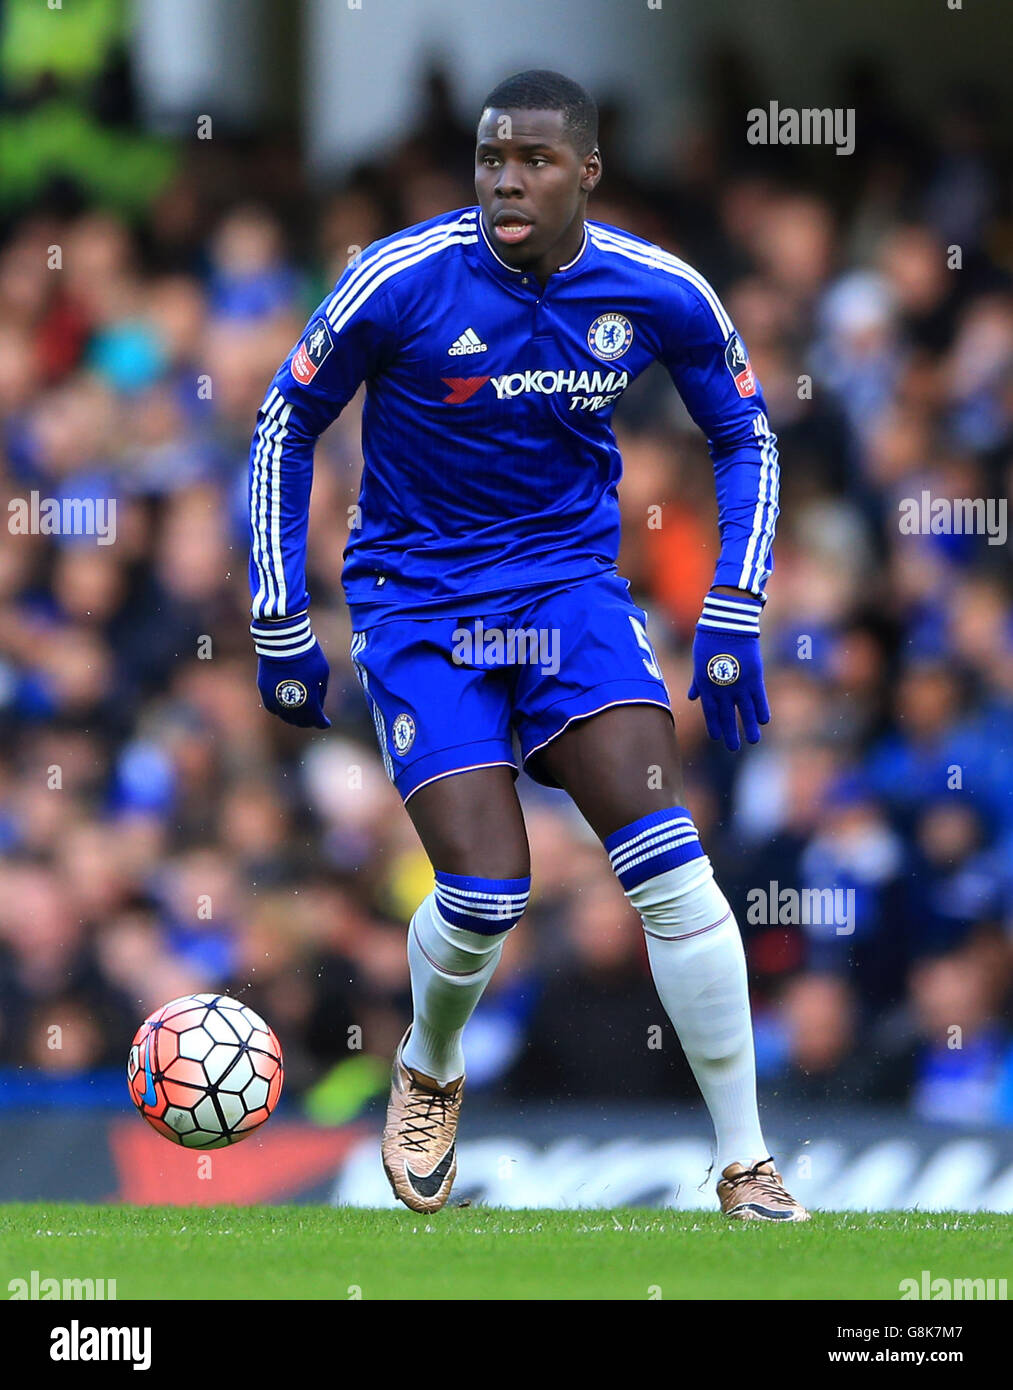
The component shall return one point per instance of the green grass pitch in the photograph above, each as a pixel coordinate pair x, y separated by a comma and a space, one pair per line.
487, 1252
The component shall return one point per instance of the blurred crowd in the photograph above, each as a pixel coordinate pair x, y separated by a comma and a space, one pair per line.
161, 834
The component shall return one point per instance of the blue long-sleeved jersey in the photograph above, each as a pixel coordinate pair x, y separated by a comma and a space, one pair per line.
490, 464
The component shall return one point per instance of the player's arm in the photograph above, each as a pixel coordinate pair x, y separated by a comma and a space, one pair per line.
710, 367
348, 339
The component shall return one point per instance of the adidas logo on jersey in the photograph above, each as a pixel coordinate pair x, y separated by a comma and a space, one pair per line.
466, 344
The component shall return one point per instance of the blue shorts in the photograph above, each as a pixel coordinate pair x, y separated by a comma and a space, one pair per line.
449, 695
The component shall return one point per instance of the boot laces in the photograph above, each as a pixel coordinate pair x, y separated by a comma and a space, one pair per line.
425, 1115
769, 1183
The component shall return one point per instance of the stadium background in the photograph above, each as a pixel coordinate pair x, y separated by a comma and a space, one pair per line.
161, 834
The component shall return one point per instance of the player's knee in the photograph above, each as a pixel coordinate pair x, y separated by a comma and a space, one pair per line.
487, 861
486, 906
471, 825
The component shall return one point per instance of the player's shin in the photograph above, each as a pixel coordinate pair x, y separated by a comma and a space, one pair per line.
699, 969
455, 941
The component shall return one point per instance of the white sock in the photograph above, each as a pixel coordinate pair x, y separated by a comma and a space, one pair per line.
450, 967
699, 969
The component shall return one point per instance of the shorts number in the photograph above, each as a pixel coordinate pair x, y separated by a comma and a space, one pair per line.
650, 660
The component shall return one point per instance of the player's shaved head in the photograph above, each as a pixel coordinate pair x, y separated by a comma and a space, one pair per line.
539, 89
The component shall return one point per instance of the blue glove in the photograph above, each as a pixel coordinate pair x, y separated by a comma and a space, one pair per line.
293, 672
728, 668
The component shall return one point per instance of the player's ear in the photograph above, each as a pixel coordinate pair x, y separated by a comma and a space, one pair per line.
591, 171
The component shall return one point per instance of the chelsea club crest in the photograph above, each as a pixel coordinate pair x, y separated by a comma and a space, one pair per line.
609, 336
290, 693
723, 669
403, 733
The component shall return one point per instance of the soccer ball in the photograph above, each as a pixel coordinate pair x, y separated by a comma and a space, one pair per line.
205, 1071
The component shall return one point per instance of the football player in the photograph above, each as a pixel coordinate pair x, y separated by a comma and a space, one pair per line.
494, 342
